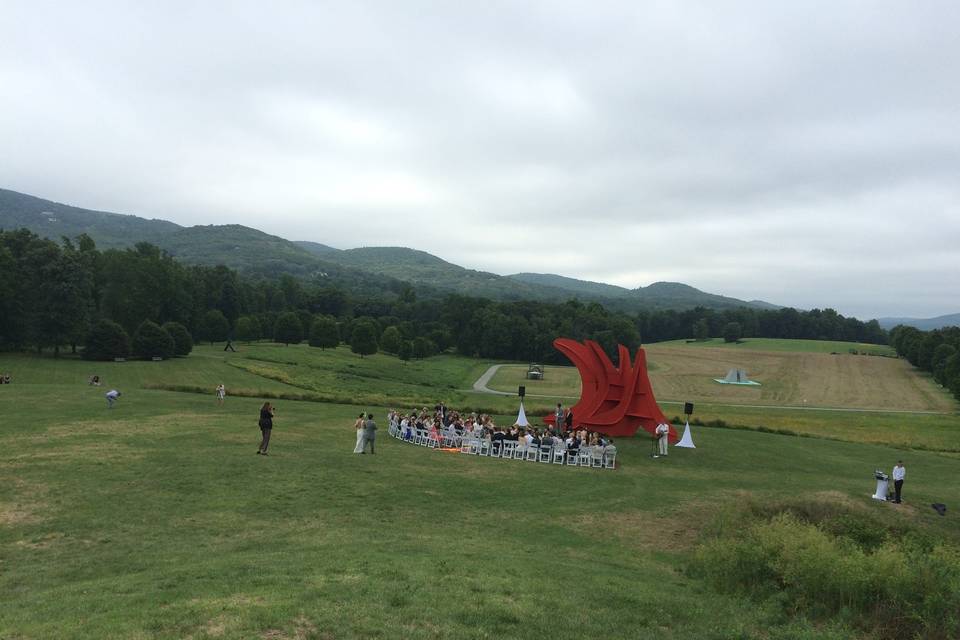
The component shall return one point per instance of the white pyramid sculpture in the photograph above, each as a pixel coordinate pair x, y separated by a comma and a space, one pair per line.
522, 417
687, 440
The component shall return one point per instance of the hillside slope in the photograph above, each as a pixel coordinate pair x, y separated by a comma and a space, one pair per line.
370, 269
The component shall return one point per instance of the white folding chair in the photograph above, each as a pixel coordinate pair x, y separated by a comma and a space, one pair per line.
509, 446
596, 457
496, 448
545, 453
573, 458
583, 458
467, 445
533, 453
610, 458
520, 452
483, 448
558, 455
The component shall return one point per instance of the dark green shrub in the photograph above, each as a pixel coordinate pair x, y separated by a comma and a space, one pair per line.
107, 340
150, 340
182, 340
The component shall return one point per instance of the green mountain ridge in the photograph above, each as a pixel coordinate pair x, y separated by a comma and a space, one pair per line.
372, 270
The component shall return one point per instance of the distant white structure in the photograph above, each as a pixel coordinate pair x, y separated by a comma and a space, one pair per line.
737, 376
522, 417
687, 440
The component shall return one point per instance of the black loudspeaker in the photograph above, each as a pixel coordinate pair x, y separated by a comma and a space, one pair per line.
688, 408
522, 391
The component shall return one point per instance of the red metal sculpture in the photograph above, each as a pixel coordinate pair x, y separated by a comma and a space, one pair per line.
616, 401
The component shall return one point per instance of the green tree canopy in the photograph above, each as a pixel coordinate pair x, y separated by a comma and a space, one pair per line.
150, 340
732, 332
423, 348
324, 333
701, 329
214, 327
107, 340
248, 328
288, 329
405, 352
390, 340
182, 340
364, 338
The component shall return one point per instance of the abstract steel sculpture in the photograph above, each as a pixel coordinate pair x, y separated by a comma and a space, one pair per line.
616, 401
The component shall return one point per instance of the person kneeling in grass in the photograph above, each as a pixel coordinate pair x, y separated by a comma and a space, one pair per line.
112, 396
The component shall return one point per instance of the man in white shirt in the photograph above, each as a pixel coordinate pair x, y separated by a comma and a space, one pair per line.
663, 434
899, 473
112, 396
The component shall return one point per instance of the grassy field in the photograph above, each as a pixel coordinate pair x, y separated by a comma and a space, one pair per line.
804, 377
156, 520
780, 344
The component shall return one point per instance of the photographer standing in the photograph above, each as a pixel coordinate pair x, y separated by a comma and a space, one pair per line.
899, 473
266, 427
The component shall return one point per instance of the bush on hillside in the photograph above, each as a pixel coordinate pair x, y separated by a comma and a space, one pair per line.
182, 340
107, 340
150, 340
837, 564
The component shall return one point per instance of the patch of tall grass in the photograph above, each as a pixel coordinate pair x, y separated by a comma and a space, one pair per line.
829, 561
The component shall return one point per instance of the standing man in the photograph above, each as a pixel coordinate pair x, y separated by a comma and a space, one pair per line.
663, 434
899, 473
221, 393
369, 433
112, 396
558, 414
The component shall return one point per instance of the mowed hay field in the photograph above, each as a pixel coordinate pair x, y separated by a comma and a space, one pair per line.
805, 376
808, 390
156, 520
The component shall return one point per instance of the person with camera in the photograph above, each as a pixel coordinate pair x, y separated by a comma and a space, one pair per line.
663, 435
266, 427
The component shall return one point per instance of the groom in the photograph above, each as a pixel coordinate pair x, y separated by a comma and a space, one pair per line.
369, 433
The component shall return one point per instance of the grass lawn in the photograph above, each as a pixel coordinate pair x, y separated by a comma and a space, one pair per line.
156, 520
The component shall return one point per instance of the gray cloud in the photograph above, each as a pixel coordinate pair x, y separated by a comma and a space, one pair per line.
804, 155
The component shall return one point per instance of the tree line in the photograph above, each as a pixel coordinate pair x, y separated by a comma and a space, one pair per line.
142, 301
937, 352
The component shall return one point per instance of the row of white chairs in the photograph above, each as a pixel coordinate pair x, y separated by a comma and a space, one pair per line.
596, 457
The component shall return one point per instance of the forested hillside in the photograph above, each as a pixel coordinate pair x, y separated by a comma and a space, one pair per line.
370, 269
54, 294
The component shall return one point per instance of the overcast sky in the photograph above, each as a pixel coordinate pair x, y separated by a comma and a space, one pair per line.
807, 155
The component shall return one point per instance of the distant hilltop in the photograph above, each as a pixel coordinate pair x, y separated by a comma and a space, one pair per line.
924, 324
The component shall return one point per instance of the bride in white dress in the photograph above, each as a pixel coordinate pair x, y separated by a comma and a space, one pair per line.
358, 425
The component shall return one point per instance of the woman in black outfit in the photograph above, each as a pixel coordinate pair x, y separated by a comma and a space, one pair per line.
266, 426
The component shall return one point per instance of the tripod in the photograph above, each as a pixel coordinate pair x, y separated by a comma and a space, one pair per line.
655, 452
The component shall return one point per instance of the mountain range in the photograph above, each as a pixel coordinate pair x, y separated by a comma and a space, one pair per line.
365, 269
924, 324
